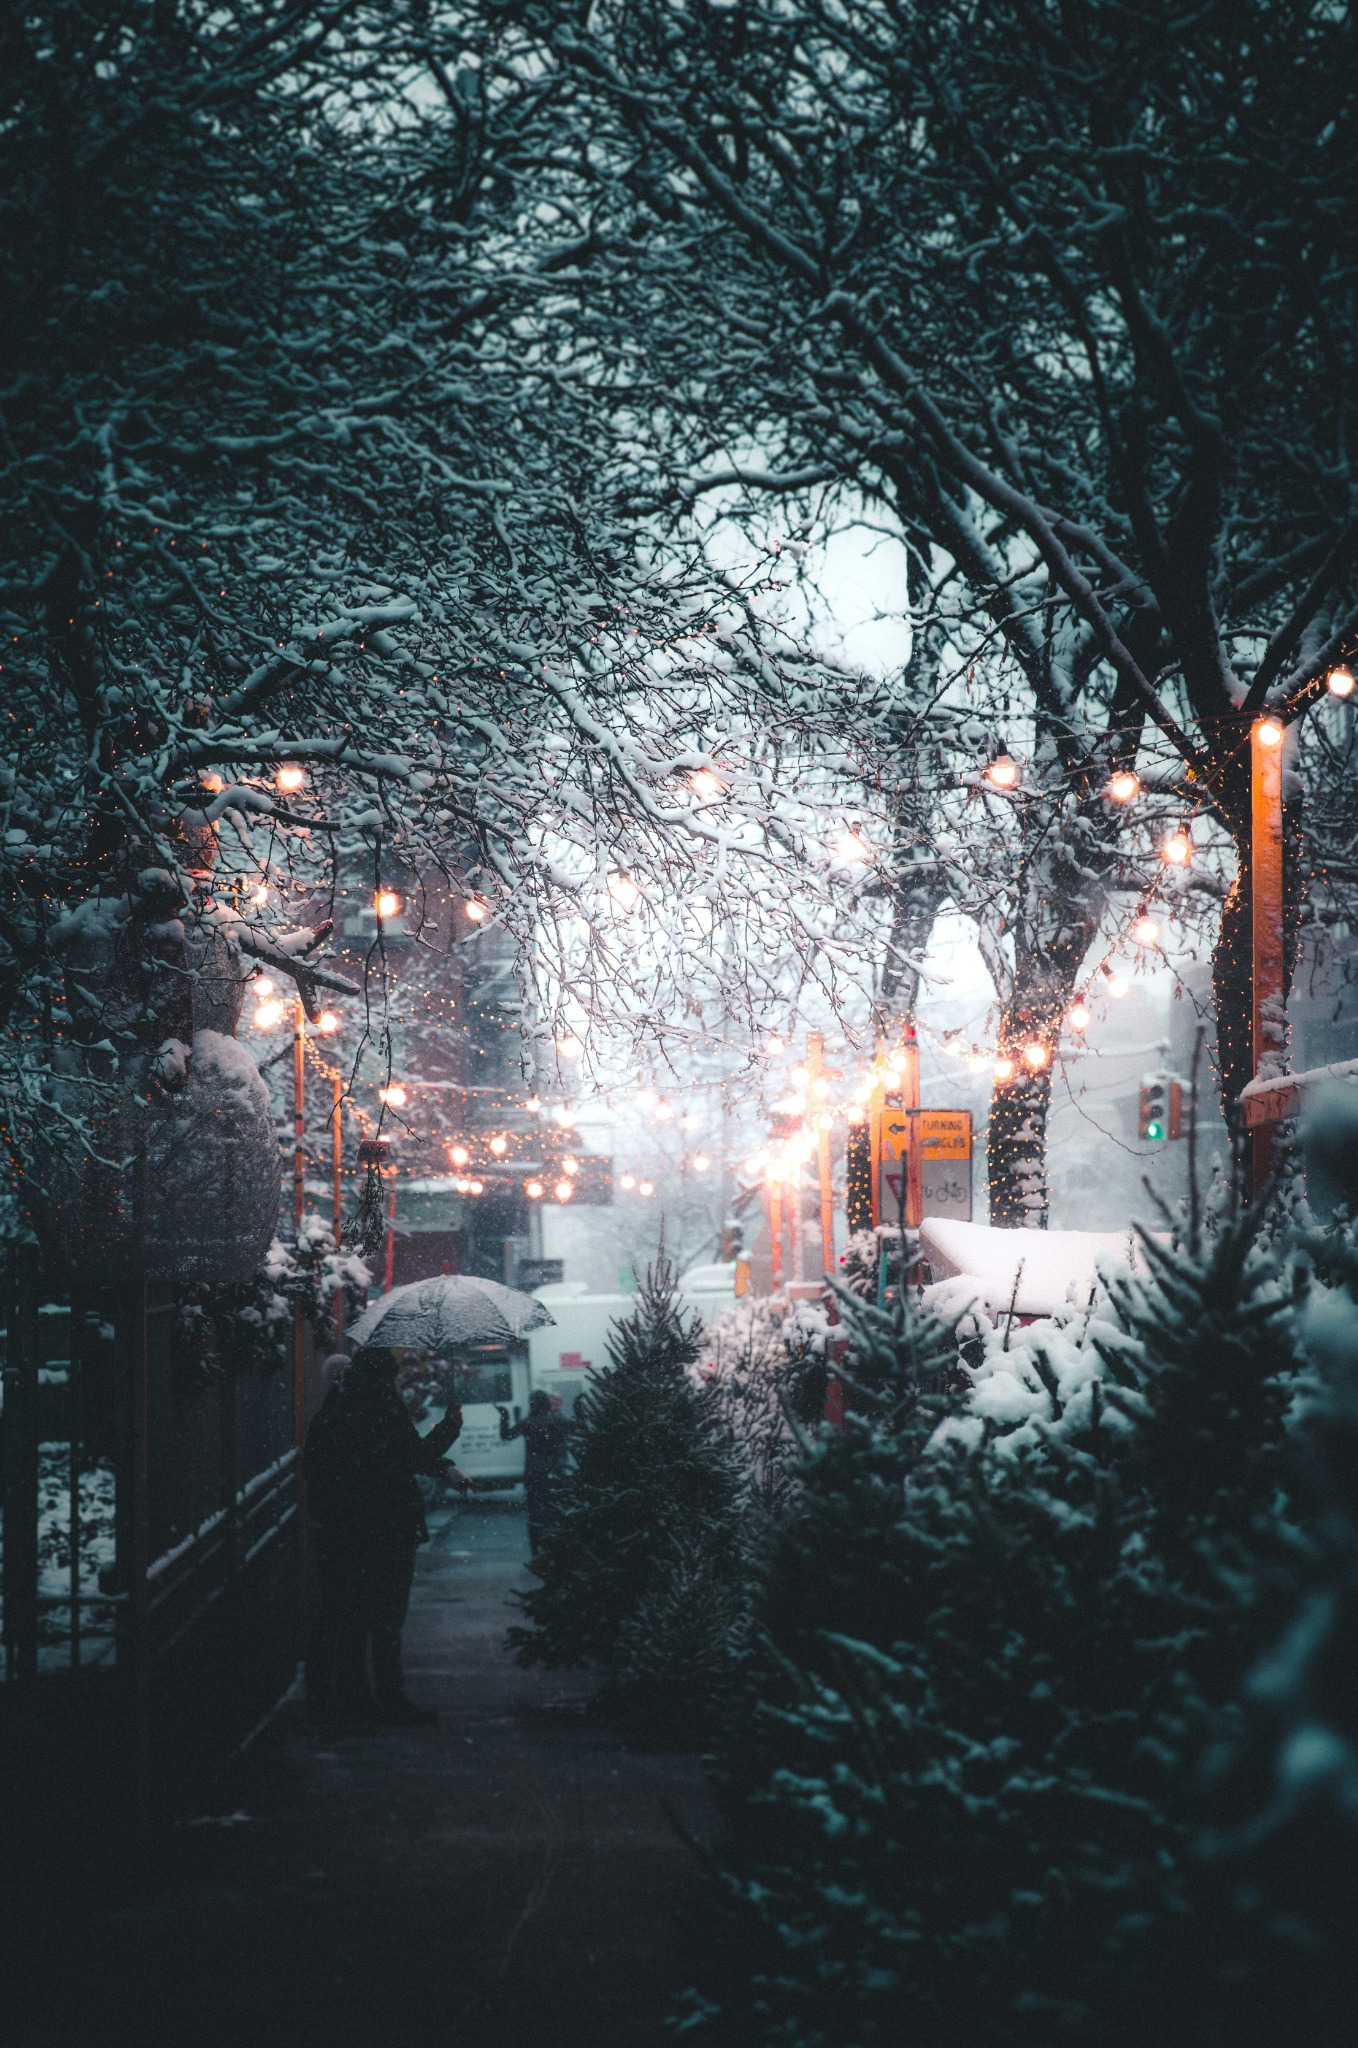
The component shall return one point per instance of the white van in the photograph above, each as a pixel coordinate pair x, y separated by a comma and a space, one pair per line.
487, 1377
577, 1343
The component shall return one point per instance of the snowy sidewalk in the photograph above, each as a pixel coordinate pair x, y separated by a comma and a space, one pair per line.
506, 1879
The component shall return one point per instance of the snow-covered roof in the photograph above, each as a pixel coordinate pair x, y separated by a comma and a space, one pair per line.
1055, 1268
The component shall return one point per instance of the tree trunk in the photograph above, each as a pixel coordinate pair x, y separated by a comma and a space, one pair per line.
1045, 981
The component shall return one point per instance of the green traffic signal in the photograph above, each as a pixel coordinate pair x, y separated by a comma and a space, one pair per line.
1155, 1130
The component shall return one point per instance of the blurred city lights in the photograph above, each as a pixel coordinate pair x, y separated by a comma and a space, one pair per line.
459, 1155
570, 1166
627, 1180
645, 1187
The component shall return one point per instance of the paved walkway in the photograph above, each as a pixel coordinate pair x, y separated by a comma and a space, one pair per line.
506, 1879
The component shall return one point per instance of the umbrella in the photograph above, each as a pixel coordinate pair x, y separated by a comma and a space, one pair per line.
447, 1313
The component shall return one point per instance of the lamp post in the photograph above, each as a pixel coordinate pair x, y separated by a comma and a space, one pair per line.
1266, 924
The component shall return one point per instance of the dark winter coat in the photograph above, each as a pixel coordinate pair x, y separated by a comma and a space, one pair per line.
363, 1454
545, 1437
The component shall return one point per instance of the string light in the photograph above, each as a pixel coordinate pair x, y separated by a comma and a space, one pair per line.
628, 1181
395, 1096
534, 1190
267, 1015
1036, 1056
1145, 931
387, 903
290, 777
1077, 1016
563, 1191
851, 850
499, 1146
460, 1156
1270, 732
260, 895
476, 910
1117, 987
1123, 786
263, 986
1003, 772
570, 1048
327, 1022
706, 785
1177, 849
701, 1163
624, 892
1004, 1068
1339, 682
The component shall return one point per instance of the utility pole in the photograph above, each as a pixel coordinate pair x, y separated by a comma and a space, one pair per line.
1266, 925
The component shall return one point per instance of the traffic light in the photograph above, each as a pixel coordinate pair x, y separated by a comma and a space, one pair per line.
1153, 1119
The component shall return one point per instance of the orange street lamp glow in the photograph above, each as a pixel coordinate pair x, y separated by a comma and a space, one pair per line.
1339, 682
534, 1191
1270, 732
1077, 1016
290, 777
1177, 849
1002, 772
1123, 786
1004, 1068
387, 903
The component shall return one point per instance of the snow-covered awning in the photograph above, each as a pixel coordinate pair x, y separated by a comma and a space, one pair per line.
1054, 1269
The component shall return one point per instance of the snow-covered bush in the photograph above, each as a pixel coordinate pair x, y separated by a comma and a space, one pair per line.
247, 1326
642, 1563
1002, 1627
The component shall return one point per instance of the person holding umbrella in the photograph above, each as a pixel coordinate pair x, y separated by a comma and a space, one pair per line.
363, 1458
545, 1435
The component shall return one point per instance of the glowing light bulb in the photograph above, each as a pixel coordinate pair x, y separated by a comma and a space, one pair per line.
775, 1047
534, 1190
475, 910
1177, 849
395, 1096
1077, 1016
1145, 931
1339, 682
534, 1102
570, 1048
701, 1162
387, 903
290, 777
1002, 773
267, 1015
476, 1187
645, 1187
263, 986
213, 783
754, 1165
1117, 987
563, 1191
627, 1180
664, 1111
706, 785
624, 892
851, 850
1123, 786
327, 1022
570, 1166
1270, 732
499, 1146
260, 895
459, 1155
1036, 1056
1004, 1068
